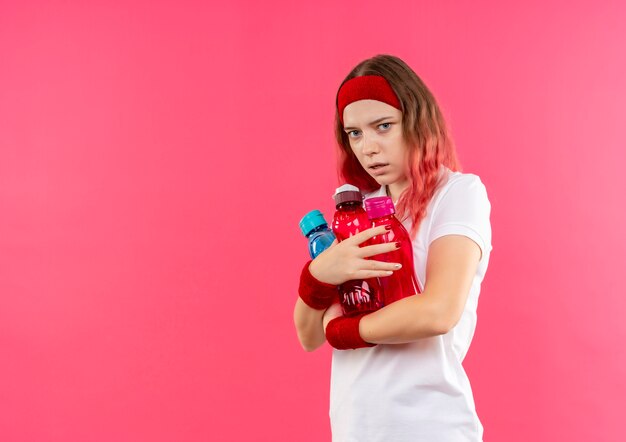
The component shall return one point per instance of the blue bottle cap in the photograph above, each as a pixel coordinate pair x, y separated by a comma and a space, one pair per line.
311, 221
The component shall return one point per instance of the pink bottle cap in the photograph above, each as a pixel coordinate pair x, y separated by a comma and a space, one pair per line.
379, 206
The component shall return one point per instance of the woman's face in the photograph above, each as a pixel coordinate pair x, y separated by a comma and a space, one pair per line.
374, 129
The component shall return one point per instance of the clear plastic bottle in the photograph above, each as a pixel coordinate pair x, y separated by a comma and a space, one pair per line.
356, 296
315, 228
401, 283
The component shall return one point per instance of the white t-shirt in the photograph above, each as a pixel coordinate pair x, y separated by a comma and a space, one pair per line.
418, 391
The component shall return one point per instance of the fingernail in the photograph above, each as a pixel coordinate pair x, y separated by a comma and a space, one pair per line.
389, 273
387, 227
398, 245
397, 266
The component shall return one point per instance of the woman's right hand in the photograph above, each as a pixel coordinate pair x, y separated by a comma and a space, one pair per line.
345, 261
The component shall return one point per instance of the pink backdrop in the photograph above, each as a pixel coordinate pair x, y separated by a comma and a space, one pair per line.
155, 159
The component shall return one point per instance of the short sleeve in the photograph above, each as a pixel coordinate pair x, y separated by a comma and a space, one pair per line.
463, 209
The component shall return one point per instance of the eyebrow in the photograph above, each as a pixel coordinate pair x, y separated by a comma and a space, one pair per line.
373, 123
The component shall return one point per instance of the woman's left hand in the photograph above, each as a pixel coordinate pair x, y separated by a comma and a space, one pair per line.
334, 311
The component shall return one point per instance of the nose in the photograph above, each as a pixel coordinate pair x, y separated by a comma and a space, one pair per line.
370, 146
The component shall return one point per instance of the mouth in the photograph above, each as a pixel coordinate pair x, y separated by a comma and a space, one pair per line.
377, 166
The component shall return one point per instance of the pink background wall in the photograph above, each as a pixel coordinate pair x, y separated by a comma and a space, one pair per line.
155, 160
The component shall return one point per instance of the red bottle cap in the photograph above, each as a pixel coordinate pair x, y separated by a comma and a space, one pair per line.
347, 193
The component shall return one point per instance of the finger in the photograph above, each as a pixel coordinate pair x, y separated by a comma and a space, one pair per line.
376, 249
367, 274
372, 265
367, 234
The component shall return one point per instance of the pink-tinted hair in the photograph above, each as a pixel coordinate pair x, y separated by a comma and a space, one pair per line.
424, 130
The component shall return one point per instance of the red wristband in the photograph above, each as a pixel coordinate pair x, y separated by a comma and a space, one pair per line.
314, 293
343, 333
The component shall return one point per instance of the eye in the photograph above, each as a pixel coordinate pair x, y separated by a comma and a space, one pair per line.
353, 133
385, 126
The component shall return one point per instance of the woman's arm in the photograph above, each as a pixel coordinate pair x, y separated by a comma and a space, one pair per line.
450, 268
339, 263
308, 323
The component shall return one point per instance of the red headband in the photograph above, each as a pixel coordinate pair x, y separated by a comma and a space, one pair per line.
367, 87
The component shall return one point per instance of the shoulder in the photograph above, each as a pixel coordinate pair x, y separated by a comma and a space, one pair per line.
459, 181
461, 206
458, 188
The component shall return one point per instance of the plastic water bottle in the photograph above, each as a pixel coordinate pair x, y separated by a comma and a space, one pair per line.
356, 296
315, 228
401, 283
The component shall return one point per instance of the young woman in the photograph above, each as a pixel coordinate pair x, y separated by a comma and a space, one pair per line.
397, 373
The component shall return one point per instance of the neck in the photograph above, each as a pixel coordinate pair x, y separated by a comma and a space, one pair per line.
395, 190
